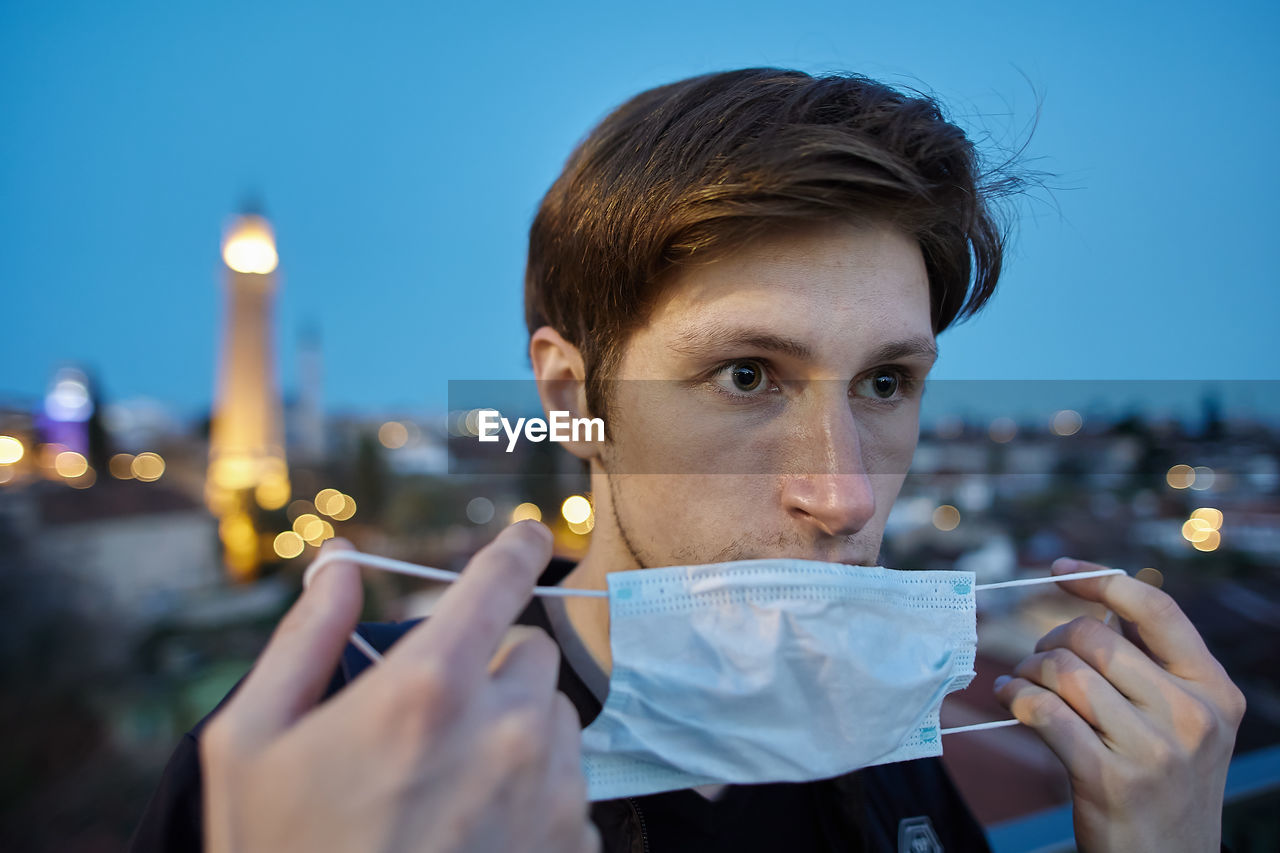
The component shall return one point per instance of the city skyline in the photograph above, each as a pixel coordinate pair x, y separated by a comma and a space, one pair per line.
400, 158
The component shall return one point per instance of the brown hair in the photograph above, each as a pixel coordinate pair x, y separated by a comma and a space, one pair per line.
688, 170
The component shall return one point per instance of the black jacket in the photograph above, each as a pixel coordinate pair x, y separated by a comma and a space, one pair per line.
911, 806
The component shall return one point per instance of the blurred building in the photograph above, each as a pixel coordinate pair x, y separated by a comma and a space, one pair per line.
307, 438
130, 549
247, 468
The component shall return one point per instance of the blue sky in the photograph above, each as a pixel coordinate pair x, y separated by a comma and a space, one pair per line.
400, 150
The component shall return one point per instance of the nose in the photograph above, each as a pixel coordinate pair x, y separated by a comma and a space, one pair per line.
830, 489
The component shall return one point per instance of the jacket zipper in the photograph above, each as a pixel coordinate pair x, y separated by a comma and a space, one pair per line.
644, 834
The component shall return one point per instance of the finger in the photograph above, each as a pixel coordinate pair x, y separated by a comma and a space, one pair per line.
564, 777
1157, 620
469, 621
1061, 728
530, 669
1130, 632
1127, 628
1119, 661
1123, 626
1088, 693
514, 636
293, 670
566, 752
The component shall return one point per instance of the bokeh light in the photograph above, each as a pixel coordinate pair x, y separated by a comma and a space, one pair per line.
303, 523
328, 501
1066, 422
85, 480
1202, 478
121, 466
946, 517
576, 509
480, 510
317, 532
1003, 430
348, 509
288, 545
1151, 576
393, 436
148, 467
69, 398
250, 246
582, 528
526, 511
70, 464
11, 450
1196, 530
1180, 476
1209, 543
1210, 515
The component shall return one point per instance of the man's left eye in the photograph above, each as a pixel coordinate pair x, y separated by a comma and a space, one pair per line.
883, 385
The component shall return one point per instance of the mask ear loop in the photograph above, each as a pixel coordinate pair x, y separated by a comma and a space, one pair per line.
400, 567
1098, 573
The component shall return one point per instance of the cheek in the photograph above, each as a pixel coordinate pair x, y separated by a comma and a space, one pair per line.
663, 429
886, 488
889, 442
698, 497
670, 517
888, 447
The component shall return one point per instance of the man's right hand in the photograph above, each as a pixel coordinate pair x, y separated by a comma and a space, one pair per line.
457, 741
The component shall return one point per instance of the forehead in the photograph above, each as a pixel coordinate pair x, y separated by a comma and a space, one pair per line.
839, 290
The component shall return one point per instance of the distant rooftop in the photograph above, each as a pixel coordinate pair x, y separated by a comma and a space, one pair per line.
107, 499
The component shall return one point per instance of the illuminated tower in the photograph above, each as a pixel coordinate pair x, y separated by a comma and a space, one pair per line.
246, 446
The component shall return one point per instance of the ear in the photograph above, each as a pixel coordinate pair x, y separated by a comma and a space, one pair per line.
562, 376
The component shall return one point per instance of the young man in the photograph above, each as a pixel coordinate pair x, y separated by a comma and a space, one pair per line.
744, 274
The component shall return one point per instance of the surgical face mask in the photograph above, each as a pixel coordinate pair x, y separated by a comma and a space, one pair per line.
768, 670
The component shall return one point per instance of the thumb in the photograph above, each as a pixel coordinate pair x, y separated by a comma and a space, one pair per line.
298, 662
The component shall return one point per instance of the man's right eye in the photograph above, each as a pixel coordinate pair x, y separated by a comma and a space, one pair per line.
743, 378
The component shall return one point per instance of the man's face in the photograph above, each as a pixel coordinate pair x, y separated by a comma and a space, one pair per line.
782, 406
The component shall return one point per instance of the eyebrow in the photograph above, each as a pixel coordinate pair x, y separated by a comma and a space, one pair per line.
702, 341
912, 347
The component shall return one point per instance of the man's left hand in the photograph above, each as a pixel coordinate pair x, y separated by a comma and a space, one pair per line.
1142, 715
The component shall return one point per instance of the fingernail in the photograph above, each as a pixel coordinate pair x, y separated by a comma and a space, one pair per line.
1002, 681
539, 528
